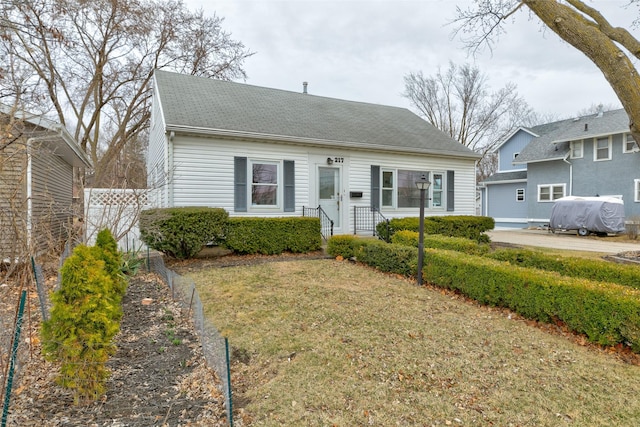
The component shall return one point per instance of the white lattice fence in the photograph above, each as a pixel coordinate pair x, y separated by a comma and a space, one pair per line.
118, 210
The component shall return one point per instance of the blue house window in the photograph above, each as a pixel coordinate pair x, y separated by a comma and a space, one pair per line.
550, 192
576, 149
630, 145
636, 190
602, 149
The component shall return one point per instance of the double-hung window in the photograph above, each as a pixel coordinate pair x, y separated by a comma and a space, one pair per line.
576, 149
636, 190
388, 188
602, 149
550, 192
264, 183
436, 190
629, 144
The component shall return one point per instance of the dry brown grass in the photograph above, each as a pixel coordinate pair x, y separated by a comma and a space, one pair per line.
320, 343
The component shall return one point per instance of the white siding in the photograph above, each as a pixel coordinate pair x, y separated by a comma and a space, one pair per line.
203, 172
157, 164
203, 175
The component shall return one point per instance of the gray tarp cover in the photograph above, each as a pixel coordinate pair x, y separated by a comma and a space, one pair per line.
596, 214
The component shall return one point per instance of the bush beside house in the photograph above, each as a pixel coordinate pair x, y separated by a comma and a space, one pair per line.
469, 227
182, 232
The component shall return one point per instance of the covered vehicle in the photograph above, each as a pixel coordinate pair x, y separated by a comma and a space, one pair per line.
588, 215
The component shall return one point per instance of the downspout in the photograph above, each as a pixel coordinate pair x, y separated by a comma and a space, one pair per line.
29, 193
169, 170
570, 176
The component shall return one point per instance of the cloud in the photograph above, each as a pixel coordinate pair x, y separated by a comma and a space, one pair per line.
361, 50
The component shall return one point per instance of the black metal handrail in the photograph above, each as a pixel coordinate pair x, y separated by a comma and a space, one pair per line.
326, 223
366, 218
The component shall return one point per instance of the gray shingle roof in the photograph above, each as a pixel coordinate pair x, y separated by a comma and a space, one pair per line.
553, 142
201, 104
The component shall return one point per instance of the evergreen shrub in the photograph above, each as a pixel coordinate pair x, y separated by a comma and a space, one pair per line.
436, 241
590, 269
270, 236
112, 258
467, 226
182, 232
85, 317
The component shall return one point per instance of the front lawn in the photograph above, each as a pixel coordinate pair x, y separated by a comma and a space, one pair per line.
333, 343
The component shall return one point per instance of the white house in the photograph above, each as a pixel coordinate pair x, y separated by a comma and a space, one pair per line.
256, 151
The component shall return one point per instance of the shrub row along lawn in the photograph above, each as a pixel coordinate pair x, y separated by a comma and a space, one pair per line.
335, 343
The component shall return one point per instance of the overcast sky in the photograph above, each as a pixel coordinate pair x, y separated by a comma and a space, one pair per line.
360, 50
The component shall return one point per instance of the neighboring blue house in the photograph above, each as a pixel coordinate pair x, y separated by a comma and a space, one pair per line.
586, 156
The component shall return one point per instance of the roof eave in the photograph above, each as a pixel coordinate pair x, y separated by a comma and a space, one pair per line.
314, 141
540, 160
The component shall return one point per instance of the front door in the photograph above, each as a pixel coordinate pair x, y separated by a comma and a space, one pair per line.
329, 192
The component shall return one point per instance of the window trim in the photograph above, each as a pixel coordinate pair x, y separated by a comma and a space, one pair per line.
572, 148
551, 192
625, 141
279, 185
429, 194
432, 190
636, 190
595, 149
518, 191
393, 188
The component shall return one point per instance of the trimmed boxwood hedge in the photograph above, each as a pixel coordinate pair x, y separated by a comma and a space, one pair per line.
436, 241
606, 313
467, 226
271, 236
592, 269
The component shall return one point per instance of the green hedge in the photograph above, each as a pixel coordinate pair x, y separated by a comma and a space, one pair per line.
470, 227
606, 313
271, 236
182, 232
344, 245
591, 269
436, 241
388, 258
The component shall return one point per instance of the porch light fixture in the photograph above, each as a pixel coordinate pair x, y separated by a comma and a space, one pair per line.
423, 185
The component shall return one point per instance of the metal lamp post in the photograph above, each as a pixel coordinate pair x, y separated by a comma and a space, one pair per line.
423, 185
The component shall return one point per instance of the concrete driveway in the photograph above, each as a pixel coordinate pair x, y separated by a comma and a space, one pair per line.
568, 240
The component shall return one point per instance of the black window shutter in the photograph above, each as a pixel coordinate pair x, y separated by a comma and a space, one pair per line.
240, 184
289, 186
375, 186
450, 191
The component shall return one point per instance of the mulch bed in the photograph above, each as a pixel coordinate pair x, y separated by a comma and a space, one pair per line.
158, 374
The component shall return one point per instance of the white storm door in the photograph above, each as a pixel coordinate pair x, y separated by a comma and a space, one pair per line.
329, 192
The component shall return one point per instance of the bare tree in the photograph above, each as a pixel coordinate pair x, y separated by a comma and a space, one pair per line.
91, 64
610, 48
460, 103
